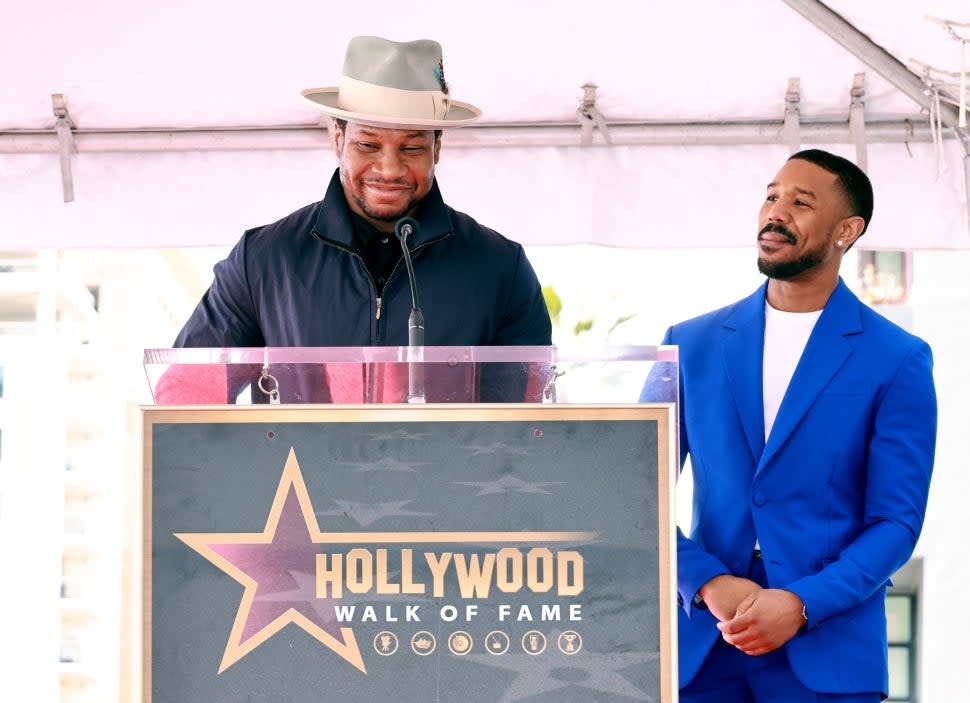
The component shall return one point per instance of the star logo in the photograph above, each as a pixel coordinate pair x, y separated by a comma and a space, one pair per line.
385, 464
367, 513
509, 484
276, 568
494, 448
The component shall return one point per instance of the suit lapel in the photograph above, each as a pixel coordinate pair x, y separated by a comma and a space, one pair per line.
743, 350
826, 351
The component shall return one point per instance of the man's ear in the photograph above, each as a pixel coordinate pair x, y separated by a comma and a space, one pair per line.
337, 138
437, 149
850, 229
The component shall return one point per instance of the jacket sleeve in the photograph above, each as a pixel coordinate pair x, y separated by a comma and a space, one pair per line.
899, 466
525, 321
227, 315
695, 567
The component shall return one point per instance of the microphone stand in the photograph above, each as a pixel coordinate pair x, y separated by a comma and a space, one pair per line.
404, 228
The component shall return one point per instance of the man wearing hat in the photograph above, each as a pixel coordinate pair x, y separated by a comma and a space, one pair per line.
331, 273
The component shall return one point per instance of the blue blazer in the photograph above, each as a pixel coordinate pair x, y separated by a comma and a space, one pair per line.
837, 494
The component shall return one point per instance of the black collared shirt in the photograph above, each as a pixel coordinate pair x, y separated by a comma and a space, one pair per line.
381, 251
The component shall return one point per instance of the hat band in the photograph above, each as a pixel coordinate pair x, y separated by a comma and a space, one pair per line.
393, 103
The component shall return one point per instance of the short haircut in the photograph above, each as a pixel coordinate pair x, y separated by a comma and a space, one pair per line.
852, 179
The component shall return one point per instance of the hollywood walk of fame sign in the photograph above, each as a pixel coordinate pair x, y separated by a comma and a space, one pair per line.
474, 553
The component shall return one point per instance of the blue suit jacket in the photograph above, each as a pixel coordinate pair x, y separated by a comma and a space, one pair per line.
836, 496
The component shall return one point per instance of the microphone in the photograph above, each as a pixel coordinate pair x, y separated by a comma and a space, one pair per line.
404, 228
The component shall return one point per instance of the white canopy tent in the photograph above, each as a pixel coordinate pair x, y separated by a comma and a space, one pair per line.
189, 127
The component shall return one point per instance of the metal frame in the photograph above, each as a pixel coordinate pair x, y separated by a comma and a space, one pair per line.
497, 135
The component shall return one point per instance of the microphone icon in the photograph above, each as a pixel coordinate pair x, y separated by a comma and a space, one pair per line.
404, 228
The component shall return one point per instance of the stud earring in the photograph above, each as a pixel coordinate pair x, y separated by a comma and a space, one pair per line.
838, 243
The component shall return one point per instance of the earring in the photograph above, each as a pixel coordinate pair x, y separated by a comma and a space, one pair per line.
838, 243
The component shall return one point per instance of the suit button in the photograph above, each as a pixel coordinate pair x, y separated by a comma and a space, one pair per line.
759, 499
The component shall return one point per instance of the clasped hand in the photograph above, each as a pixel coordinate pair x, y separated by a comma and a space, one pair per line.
756, 620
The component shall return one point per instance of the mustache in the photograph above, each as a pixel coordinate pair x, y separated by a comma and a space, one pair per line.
389, 182
780, 229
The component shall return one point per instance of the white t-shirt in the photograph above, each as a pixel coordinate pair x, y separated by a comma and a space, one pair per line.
786, 334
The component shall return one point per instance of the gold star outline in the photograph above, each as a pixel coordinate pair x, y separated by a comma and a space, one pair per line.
236, 649
292, 479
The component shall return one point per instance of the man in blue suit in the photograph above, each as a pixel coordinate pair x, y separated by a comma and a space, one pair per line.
811, 425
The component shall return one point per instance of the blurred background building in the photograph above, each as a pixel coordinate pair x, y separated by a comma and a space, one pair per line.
71, 331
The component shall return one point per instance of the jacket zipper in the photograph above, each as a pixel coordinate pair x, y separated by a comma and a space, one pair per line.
390, 277
379, 301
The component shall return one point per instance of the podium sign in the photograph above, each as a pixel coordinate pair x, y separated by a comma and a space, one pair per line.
459, 553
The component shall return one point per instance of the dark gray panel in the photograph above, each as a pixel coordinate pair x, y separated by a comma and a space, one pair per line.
427, 477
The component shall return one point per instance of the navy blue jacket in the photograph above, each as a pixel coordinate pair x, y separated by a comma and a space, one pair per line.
301, 282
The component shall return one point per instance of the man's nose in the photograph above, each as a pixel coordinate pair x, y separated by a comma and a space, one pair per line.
390, 164
777, 211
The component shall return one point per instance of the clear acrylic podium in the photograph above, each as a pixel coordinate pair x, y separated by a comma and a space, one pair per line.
366, 375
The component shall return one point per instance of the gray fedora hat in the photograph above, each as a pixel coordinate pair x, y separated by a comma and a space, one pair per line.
393, 84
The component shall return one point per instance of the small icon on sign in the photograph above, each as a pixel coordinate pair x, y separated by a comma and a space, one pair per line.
570, 642
423, 643
534, 642
497, 642
460, 643
385, 643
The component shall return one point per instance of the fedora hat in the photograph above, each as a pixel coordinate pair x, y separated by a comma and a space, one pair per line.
393, 84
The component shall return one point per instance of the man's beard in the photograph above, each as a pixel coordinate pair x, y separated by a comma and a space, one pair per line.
785, 270
789, 269
387, 216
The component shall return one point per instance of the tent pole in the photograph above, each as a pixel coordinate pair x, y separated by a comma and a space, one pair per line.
887, 66
873, 55
301, 137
